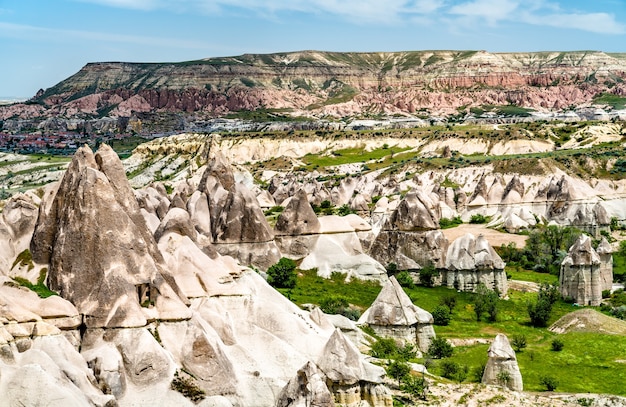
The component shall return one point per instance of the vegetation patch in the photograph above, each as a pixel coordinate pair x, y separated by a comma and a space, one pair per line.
39, 288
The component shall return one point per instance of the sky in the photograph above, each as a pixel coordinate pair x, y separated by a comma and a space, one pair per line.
45, 41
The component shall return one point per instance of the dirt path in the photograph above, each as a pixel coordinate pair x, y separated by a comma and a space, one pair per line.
494, 237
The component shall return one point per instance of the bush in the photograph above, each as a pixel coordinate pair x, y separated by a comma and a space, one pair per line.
550, 382
449, 301
486, 300
339, 305
449, 369
415, 386
519, 342
405, 279
539, 312
441, 315
282, 274
478, 218
557, 345
427, 275
384, 348
407, 352
479, 372
398, 370
445, 223
187, 387
503, 378
440, 348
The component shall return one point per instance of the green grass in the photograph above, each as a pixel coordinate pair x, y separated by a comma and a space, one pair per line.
615, 101
351, 156
532, 276
587, 363
39, 288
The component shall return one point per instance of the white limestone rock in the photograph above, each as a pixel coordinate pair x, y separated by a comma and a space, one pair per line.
502, 363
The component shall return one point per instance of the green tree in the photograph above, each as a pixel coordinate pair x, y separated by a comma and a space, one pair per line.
405, 279
398, 370
518, 342
440, 348
486, 300
428, 274
282, 274
441, 315
539, 312
384, 348
415, 386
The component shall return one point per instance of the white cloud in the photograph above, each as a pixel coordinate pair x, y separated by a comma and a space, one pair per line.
491, 10
51, 34
601, 23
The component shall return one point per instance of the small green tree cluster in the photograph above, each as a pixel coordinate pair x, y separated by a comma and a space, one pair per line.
428, 274
440, 348
282, 274
339, 305
441, 315
486, 301
405, 279
540, 310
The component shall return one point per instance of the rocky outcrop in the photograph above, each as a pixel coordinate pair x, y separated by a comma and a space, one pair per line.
393, 315
605, 252
238, 226
583, 275
501, 368
471, 261
298, 217
410, 237
113, 285
339, 378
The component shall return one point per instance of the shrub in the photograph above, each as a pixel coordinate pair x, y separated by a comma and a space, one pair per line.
187, 387
486, 300
450, 302
344, 210
415, 386
441, 315
407, 352
557, 345
282, 274
405, 279
427, 275
440, 348
479, 372
550, 382
445, 223
519, 342
398, 370
539, 312
449, 369
384, 348
503, 378
478, 218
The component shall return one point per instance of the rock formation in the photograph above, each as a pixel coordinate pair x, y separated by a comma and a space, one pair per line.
410, 237
113, 285
501, 368
605, 252
471, 261
584, 274
238, 226
340, 377
393, 315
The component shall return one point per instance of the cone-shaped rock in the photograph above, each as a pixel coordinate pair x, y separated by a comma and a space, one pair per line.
605, 252
307, 389
298, 217
580, 277
392, 314
502, 368
101, 254
471, 261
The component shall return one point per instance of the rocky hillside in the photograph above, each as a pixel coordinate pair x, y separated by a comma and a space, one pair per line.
338, 84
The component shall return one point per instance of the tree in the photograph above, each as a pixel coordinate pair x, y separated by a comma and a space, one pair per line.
282, 274
486, 300
415, 386
539, 311
440, 348
428, 274
550, 382
384, 348
449, 301
441, 315
405, 279
398, 370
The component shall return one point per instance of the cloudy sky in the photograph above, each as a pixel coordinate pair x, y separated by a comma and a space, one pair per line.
44, 41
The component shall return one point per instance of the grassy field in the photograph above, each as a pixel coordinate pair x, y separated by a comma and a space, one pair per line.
350, 156
589, 362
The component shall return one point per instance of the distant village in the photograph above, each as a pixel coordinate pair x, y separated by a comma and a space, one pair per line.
59, 143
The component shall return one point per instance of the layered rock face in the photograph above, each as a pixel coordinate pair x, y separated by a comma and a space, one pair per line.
436, 80
410, 237
584, 274
501, 368
393, 315
471, 261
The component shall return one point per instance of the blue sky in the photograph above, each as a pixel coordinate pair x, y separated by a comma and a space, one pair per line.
44, 41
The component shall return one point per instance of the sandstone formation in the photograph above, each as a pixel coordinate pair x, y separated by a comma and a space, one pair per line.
393, 315
471, 261
410, 237
440, 81
501, 368
605, 251
238, 226
584, 274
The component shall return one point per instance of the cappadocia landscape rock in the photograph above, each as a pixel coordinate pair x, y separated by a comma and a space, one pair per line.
318, 229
